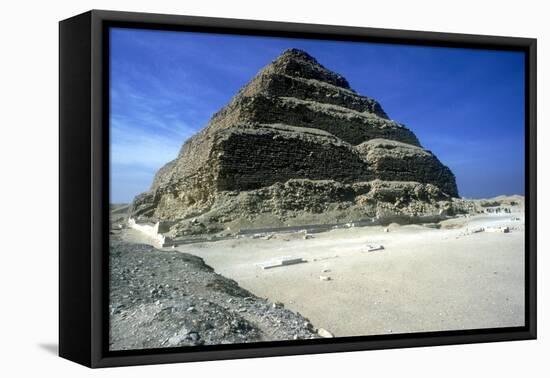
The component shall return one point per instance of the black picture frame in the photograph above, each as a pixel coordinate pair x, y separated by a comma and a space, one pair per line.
84, 188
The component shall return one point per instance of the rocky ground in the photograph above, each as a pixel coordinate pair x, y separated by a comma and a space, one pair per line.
171, 299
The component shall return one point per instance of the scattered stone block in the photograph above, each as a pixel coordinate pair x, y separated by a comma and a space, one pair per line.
435, 226
324, 333
504, 230
283, 261
374, 247
476, 230
325, 278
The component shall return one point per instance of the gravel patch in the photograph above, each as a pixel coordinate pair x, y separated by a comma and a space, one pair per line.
170, 299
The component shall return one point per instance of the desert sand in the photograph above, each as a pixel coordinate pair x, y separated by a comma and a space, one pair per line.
425, 279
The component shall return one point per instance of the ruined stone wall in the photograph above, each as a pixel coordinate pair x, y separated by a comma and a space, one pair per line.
394, 161
349, 125
164, 175
253, 158
179, 197
280, 85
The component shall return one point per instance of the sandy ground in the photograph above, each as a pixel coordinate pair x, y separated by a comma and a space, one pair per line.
425, 279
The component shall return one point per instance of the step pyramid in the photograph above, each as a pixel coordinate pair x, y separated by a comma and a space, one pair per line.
296, 131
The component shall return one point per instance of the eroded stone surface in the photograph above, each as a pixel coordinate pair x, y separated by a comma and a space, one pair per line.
392, 160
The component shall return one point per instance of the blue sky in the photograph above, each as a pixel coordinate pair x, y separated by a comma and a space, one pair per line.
464, 105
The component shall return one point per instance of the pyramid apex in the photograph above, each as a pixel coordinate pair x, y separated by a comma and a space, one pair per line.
293, 52
296, 62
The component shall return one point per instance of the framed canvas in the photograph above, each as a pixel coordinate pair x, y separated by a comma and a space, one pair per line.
235, 188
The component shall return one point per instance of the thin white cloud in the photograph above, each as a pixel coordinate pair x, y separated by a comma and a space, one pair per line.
136, 147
